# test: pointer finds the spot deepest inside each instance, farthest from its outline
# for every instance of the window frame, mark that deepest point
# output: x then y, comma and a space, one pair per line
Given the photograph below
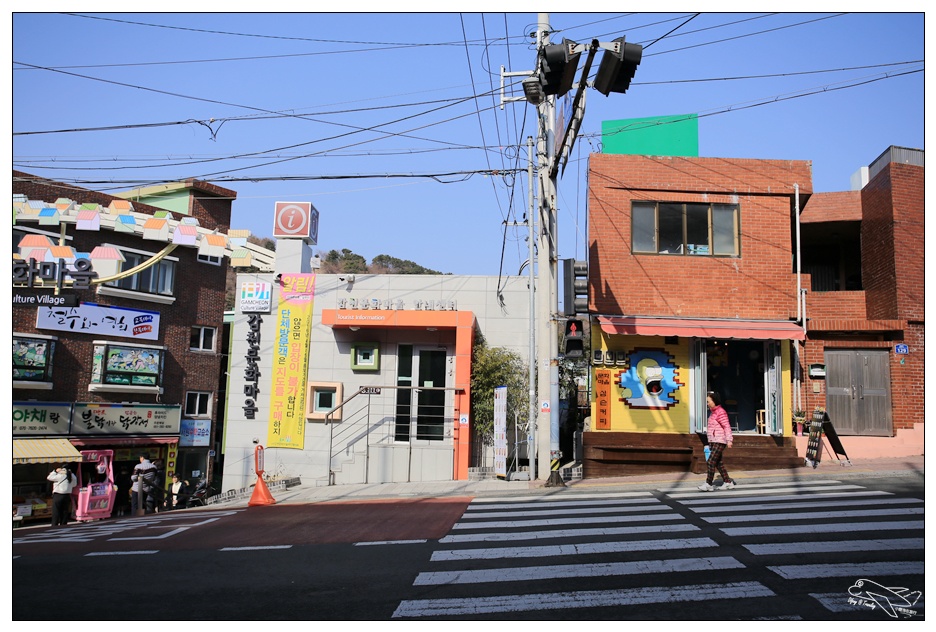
643, 235
208, 395
132, 283
100, 371
202, 329
45, 379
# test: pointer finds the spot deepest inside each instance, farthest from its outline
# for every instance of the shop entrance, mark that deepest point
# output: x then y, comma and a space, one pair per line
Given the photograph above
737, 369
421, 412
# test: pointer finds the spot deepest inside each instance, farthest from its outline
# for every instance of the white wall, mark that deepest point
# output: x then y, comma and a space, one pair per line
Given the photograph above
503, 325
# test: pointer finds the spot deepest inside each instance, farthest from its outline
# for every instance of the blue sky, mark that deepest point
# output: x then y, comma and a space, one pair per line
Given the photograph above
392, 125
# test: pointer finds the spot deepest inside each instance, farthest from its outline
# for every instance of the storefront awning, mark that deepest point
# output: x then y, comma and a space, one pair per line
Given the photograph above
44, 451
124, 441
698, 328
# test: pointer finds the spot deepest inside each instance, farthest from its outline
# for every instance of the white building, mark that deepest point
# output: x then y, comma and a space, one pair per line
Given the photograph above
407, 338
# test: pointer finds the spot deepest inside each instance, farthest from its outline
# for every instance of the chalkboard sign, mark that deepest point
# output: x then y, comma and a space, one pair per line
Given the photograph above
814, 443
818, 426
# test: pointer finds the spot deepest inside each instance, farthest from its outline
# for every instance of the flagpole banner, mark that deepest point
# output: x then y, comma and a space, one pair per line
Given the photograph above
500, 432
286, 428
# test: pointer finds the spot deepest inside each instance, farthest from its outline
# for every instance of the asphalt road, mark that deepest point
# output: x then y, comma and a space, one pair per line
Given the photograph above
776, 551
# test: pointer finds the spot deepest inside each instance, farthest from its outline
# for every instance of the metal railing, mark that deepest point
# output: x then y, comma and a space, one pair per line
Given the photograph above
358, 426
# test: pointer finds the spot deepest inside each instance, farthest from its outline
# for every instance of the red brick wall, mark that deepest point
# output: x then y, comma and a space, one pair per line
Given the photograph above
907, 200
840, 206
761, 284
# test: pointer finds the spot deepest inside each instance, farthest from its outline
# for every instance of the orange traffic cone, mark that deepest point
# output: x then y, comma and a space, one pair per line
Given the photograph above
261, 495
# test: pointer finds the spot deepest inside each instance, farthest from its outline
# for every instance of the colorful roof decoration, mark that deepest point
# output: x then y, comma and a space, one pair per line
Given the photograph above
119, 216
185, 235
125, 224
49, 217
88, 219
120, 206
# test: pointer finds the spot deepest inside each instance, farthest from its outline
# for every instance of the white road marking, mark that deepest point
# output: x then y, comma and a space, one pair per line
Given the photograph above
562, 504
572, 549
816, 515
731, 499
256, 548
797, 529
510, 513
506, 524
102, 553
579, 599
389, 542
608, 569
871, 569
839, 546
807, 505
507, 536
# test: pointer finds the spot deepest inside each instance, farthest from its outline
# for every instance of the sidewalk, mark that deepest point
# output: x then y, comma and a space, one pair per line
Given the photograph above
899, 466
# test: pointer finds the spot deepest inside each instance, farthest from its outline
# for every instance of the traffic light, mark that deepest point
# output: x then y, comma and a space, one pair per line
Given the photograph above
558, 65
574, 339
575, 287
618, 67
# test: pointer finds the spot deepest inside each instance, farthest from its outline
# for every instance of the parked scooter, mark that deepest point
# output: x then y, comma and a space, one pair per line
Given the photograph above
201, 494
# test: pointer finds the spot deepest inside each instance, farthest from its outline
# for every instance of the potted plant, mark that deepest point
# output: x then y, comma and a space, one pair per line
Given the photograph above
799, 419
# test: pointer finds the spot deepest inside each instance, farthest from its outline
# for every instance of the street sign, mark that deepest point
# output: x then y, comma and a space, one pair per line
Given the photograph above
370, 390
901, 349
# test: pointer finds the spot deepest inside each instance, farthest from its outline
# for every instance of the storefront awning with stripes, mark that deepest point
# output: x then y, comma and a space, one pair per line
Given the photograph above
701, 328
44, 451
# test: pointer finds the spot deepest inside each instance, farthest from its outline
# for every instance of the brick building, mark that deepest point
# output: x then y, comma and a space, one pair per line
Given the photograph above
131, 364
703, 276
865, 310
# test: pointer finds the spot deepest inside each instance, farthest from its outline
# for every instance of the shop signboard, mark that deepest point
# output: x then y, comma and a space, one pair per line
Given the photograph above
195, 433
94, 319
95, 418
256, 297
41, 418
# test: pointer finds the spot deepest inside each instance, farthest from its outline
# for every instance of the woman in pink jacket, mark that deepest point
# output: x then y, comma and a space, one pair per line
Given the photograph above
719, 438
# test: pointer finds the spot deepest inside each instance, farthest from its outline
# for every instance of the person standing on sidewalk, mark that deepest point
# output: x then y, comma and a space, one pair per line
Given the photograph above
63, 481
719, 438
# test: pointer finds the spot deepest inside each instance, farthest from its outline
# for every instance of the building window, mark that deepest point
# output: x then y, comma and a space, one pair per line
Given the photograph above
127, 365
202, 339
686, 229
214, 260
322, 397
197, 404
32, 358
158, 278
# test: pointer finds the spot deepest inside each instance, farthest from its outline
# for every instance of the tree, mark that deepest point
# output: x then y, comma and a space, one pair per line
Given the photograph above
493, 367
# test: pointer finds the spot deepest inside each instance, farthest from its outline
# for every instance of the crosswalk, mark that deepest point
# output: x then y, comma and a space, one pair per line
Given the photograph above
677, 550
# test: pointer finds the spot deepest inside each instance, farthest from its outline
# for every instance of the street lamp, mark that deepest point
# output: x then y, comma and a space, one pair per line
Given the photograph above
533, 90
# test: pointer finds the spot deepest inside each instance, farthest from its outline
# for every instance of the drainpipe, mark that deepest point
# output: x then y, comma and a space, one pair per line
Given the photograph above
800, 304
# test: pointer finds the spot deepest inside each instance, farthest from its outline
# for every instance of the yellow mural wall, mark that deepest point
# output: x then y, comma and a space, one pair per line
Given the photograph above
641, 385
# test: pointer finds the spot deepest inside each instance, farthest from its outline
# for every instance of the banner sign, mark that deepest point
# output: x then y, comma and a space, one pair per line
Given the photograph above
94, 319
500, 431
125, 419
195, 433
293, 332
41, 418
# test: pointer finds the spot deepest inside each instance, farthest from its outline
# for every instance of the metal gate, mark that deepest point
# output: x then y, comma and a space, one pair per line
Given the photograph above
858, 392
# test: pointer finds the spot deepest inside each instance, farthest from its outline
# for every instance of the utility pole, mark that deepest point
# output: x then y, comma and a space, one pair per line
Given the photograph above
548, 303
553, 76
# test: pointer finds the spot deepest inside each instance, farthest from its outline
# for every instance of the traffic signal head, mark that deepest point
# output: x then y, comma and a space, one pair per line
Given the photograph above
574, 346
575, 287
558, 65
618, 67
